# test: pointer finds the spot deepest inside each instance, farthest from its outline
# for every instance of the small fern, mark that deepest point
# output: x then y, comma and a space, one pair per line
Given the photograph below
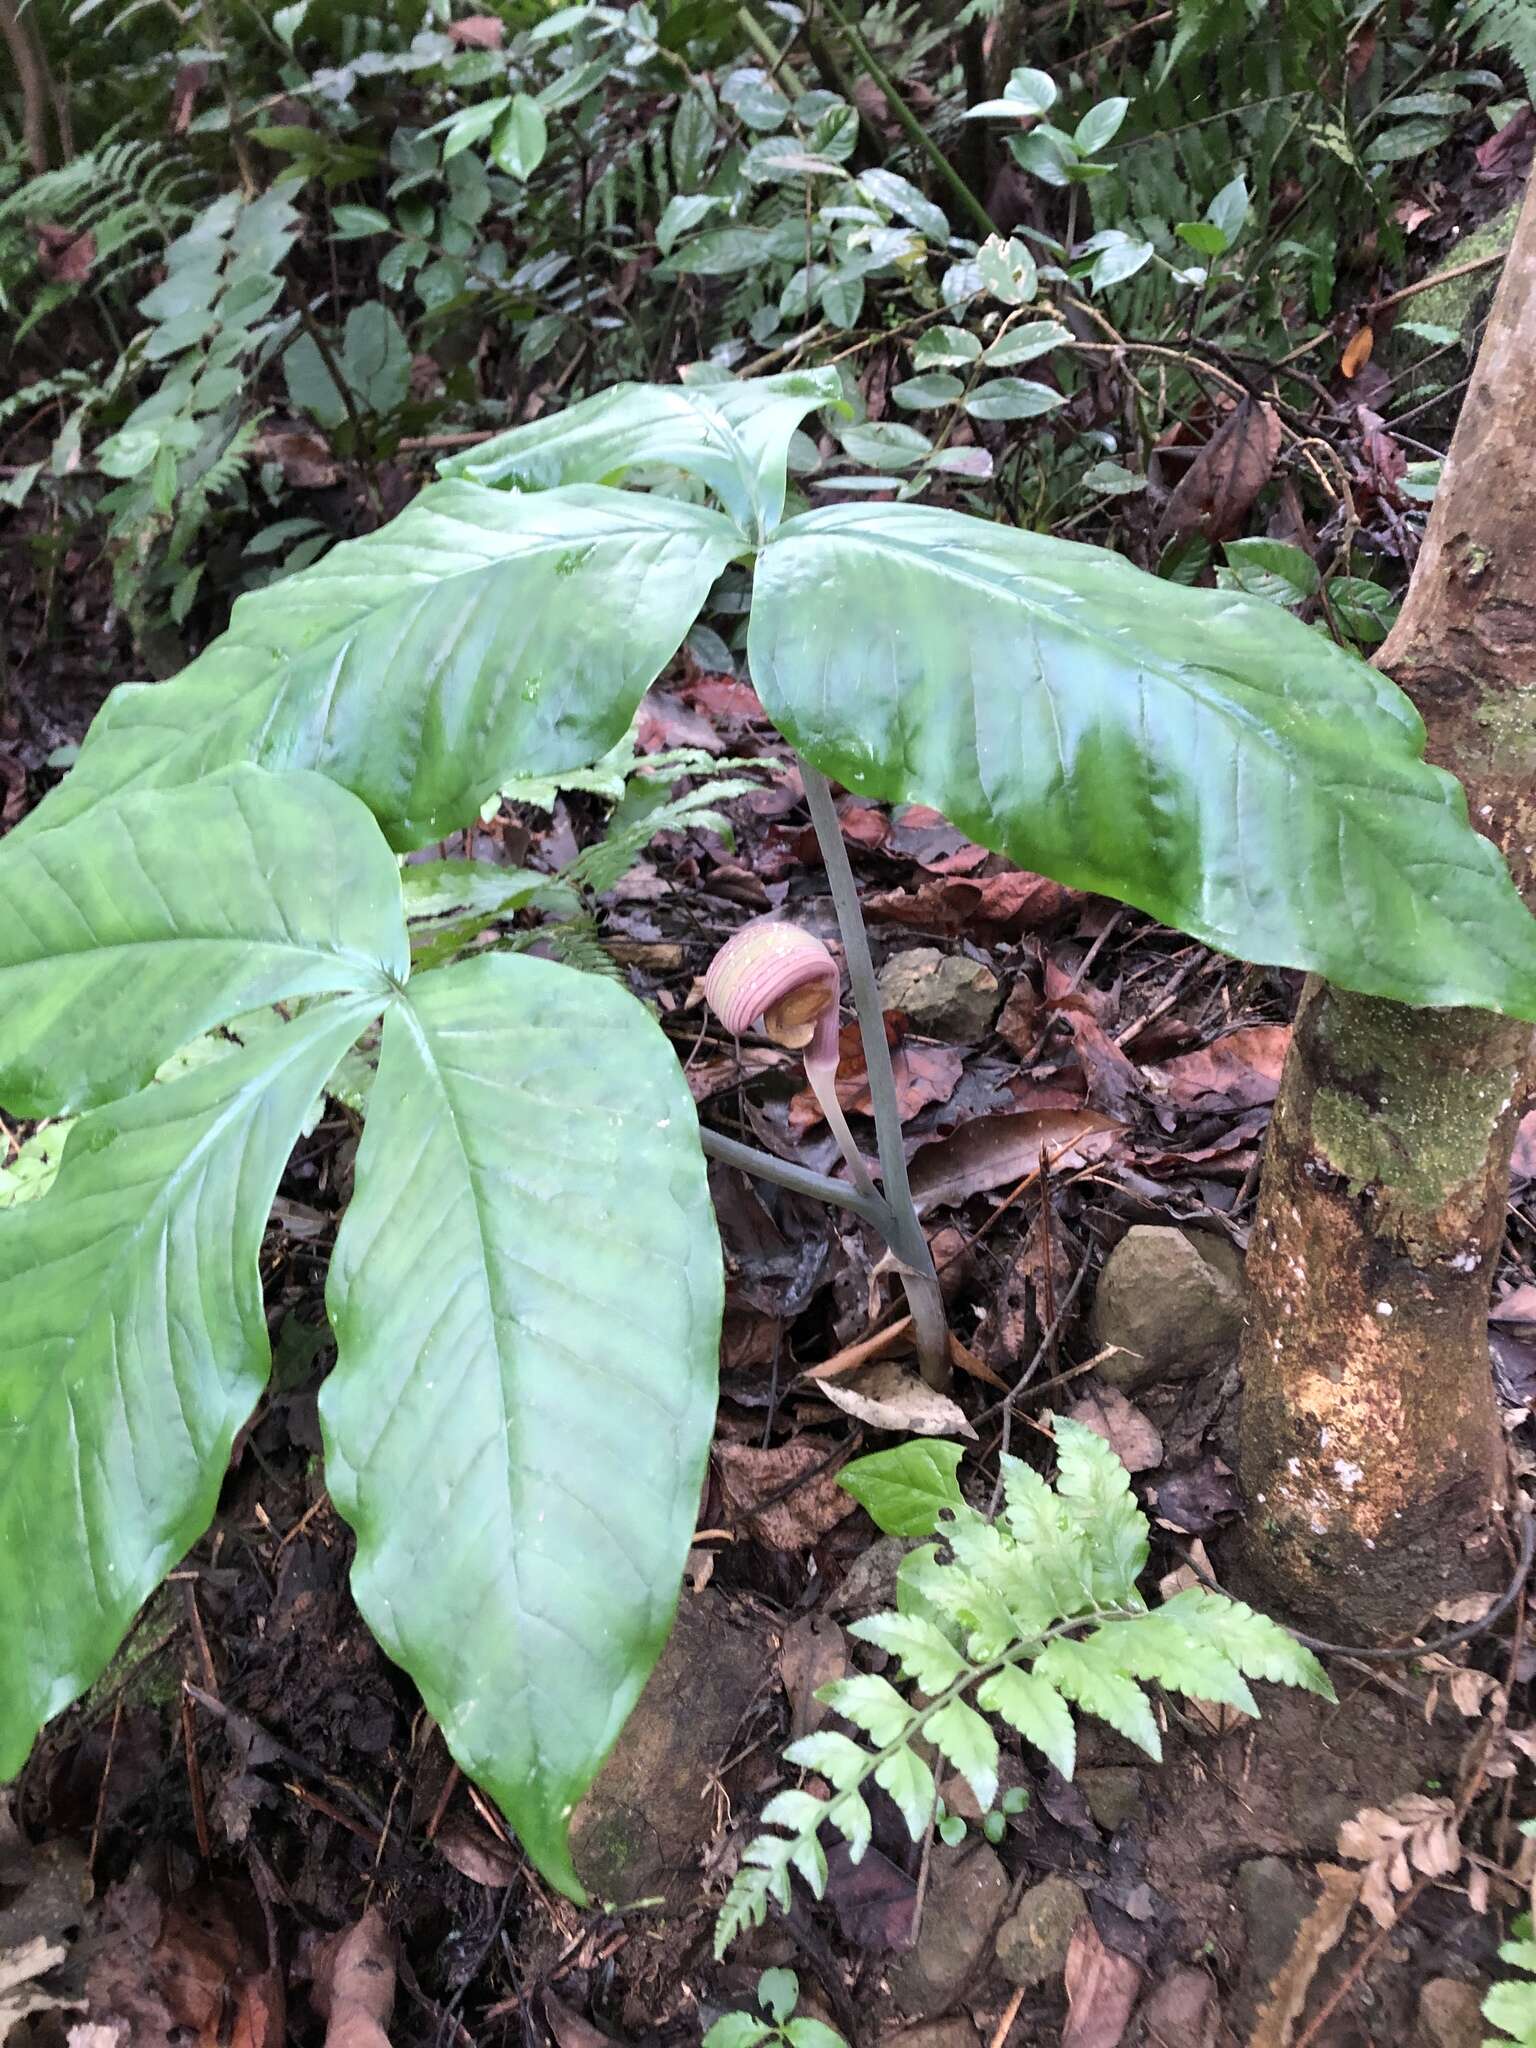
1511, 2006
1507, 26
1023, 1619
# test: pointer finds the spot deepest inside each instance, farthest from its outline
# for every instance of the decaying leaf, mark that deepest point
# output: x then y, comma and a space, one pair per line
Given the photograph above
892, 1396
1123, 1427
1214, 495
1102, 1988
994, 1151
1240, 1071
789, 1496
1318, 1933
476, 1854
356, 1991
1357, 351
1416, 1833
814, 1653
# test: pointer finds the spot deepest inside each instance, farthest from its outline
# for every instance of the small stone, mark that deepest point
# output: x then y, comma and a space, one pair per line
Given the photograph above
944, 994
1450, 2015
967, 1887
1275, 1901
1170, 1303
1032, 1945
1114, 1796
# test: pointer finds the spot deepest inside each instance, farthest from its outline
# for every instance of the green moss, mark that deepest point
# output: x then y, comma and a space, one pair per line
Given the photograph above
144, 1681
1460, 300
1410, 1100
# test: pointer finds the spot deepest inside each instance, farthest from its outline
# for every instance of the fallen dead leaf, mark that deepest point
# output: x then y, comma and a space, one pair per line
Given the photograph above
1240, 1071
478, 32
892, 1396
995, 1151
1524, 1161
1518, 1306
355, 1990
1214, 495
1115, 1083
1123, 1427
982, 907
65, 255
1415, 1833
1102, 1988
305, 460
925, 1073
814, 1653
572, 2029
1318, 1933
1357, 351
776, 1494
1197, 1498
476, 1854
1182, 2012
20, 1992
1018, 1024
873, 1898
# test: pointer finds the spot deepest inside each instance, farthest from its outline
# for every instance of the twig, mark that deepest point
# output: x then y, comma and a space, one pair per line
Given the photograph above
101, 1796
1010, 2013
1427, 284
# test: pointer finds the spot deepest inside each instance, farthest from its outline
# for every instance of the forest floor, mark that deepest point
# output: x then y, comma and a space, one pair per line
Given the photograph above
252, 1778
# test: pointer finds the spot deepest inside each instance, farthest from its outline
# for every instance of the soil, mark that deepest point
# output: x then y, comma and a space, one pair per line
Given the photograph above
253, 1781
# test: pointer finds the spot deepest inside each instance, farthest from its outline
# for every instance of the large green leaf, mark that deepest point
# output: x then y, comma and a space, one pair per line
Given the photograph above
1196, 753
135, 1346
526, 1296
733, 436
481, 634
162, 913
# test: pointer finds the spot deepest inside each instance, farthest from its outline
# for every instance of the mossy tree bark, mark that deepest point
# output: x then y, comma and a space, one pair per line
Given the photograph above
1371, 1449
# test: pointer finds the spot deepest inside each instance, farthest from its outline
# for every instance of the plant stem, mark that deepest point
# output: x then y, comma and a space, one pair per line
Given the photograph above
800, 1180
906, 1237
879, 76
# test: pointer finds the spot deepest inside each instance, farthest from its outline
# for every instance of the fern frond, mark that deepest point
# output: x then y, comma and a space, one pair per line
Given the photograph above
1507, 27
1024, 1620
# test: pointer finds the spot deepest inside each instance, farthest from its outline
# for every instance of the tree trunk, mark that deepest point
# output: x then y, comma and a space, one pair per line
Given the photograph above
1370, 1444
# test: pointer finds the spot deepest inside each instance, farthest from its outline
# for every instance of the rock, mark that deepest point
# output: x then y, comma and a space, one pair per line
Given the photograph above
967, 1889
1274, 1903
642, 1825
1170, 1302
1032, 1945
1114, 1796
1449, 2015
944, 994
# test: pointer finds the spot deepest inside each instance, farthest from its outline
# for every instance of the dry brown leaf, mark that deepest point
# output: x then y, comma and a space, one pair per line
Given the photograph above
1123, 1427
1182, 2012
1416, 1833
1102, 1989
476, 1854
980, 906
478, 32
1357, 351
1215, 493
305, 460
799, 1503
64, 255
994, 1151
355, 1991
570, 2028
20, 1992
1240, 1071
892, 1396
1318, 1933
814, 1653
